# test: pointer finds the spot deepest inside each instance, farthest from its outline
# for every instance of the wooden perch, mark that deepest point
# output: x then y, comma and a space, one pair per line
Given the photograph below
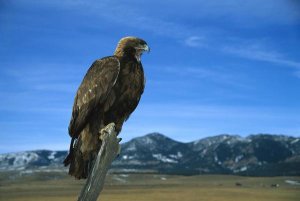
110, 148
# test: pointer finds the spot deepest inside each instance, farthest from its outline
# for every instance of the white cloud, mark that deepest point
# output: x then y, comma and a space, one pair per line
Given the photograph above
196, 111
166, 118
255, 52
195, 41
161, 17
191, 121
240, 11
216, 74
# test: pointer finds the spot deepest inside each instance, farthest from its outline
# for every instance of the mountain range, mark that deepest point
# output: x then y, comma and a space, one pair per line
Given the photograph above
255, 155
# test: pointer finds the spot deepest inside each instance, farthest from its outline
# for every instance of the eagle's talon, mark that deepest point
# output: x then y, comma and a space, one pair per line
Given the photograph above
109, 128
102, 133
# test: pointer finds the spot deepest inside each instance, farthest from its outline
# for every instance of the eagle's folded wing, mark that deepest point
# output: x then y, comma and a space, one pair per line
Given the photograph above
93, 91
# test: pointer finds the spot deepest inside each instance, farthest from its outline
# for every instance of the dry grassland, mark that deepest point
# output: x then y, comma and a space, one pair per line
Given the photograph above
143, 187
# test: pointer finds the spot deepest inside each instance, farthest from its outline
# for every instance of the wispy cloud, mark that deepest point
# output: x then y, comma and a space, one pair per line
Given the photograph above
195, 111
44, 77
216, 74
43, 93
195, 41
39, 88
248, 49
195, 121
162, 18
255, 52
268, 11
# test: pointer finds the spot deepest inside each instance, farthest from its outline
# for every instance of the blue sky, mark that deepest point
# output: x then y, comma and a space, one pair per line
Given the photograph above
215, 66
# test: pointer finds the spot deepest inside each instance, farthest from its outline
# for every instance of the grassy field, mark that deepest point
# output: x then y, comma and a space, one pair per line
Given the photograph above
146, 187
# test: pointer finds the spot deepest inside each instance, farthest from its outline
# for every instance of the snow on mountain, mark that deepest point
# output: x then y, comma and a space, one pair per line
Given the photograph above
228, 154
31, 159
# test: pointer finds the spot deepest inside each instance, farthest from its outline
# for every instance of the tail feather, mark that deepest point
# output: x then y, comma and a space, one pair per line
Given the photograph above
79, 168
69, 157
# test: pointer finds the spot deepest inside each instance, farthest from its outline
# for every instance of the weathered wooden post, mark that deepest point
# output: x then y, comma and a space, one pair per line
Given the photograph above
110, 148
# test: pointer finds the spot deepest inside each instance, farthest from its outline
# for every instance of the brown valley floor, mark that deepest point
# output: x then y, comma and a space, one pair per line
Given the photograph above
148, 187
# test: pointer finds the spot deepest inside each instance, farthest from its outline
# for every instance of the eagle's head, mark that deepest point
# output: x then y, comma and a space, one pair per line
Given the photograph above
131, 46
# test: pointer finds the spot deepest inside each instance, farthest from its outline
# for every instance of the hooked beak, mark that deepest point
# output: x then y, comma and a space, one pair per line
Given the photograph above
144, 48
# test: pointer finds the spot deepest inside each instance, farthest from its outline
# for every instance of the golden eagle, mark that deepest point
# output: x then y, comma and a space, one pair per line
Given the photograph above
109, 92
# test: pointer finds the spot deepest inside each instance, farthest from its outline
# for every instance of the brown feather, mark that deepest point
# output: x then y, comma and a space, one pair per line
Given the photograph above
109, 92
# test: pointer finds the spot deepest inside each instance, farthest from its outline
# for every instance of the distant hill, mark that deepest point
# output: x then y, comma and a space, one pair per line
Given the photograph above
255, 155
